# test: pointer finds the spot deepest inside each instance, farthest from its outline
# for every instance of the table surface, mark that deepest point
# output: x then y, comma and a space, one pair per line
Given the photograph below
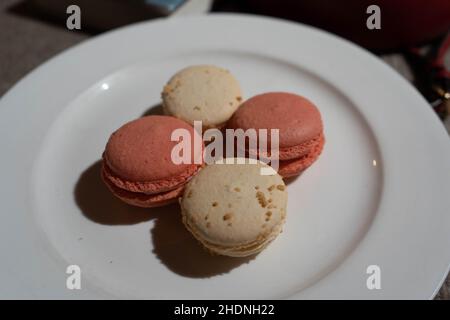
26, 41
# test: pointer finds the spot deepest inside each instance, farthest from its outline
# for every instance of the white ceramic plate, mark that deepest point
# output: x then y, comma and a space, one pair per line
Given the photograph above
378, 195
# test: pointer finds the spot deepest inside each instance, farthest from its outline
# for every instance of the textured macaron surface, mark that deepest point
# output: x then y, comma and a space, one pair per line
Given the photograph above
207, 93
297, 118
233, 205
140, 151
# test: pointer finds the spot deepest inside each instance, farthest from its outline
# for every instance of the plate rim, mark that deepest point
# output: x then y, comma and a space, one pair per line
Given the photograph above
342, 44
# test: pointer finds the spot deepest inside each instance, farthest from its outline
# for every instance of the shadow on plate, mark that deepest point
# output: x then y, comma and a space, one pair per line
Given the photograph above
173, 245
98, 204
182, 254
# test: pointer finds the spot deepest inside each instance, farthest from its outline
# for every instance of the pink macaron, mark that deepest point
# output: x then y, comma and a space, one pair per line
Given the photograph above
137, 162
301, 137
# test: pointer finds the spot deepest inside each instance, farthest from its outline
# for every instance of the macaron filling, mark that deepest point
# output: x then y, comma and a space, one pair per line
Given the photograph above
292, 167
288, 153
150, 187
142, 199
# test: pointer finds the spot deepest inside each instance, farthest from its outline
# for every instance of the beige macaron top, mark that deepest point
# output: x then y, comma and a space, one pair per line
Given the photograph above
233, 205
204, 92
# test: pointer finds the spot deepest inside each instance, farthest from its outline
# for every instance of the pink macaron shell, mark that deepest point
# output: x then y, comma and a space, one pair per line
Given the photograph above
293, 167
150, 187
297, 118
289, 153
141, 199
138, 155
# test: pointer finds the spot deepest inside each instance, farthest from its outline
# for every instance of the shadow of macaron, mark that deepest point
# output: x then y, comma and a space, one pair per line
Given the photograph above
173, 245
99, 205
178, 250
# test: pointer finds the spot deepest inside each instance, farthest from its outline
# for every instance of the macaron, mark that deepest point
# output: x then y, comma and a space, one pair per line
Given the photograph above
204, 93
233, 210
298, 120
137, 163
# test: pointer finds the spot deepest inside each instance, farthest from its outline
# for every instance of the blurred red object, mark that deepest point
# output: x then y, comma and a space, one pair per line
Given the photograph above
404, 23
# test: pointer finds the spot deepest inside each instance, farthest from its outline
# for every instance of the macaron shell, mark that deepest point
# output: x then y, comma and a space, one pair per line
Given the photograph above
241, 250
142, 199
150, 187
297, 118
206, 93
293, 167
294, 152
141, 151
233, 205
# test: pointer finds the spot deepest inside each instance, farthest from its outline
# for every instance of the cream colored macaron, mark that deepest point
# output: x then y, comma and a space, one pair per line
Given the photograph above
204, 92
233, 210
